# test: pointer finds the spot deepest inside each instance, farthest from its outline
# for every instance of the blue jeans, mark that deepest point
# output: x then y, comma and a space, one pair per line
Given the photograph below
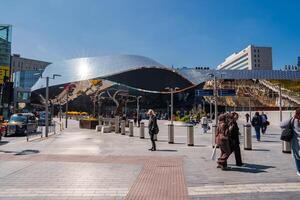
257, 132
297, 164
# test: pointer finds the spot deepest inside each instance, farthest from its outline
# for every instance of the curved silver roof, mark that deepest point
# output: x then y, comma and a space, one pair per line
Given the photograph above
79, 69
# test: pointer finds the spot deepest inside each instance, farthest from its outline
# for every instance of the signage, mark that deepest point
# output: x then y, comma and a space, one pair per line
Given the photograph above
226, 92
4, 71
201, 93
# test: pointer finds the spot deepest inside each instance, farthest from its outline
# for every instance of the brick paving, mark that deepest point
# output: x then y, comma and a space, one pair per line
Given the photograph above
84, 164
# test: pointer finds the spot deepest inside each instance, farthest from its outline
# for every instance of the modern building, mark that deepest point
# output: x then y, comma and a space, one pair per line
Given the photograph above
250, 58
25, 76
298, 61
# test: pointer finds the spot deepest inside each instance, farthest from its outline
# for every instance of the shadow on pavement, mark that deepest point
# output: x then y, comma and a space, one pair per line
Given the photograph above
270, 141
250, 168
27, 152
167, 150
3, 142
260, 150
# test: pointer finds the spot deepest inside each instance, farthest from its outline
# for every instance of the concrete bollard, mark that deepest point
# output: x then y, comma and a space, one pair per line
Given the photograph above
131, 129
286, 147
213, 135
123, 127
190, 135
247, 137
170, 133
117, 124
142, 130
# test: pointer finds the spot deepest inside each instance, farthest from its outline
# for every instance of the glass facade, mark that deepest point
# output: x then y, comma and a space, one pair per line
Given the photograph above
25, 79
5, 45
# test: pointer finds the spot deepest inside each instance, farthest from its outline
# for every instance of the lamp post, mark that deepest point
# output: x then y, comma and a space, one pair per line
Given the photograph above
171, 126
68, 89
47, 99
138, 109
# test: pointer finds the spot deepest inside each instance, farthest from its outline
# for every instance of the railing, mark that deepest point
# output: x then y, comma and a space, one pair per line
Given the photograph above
55, 128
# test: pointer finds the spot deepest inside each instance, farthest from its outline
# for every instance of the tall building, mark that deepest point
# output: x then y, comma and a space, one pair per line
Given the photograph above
298, 61
5, 72
250, 58
24, 76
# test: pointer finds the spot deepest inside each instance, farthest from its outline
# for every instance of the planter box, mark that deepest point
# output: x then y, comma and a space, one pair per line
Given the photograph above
88, 124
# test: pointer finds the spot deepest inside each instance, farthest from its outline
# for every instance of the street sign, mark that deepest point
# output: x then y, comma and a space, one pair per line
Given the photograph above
204, 92
226, 92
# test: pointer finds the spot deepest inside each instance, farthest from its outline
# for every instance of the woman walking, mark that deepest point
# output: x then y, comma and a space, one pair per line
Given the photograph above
234, 139
295, 142
153, 128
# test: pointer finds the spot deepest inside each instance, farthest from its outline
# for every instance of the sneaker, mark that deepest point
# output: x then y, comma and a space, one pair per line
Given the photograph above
298, 173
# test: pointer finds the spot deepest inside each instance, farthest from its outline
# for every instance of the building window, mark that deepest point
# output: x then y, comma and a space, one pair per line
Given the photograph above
254, 65
254, 50
258, 65
257, 55
254, 60
258, 60
257, 50
254, 56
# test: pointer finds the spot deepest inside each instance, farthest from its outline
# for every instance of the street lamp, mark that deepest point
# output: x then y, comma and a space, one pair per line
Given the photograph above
138, 109
47, 98
99, 105
172, 90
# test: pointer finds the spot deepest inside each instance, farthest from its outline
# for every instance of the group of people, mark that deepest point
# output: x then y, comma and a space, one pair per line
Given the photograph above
227, 138
260, 123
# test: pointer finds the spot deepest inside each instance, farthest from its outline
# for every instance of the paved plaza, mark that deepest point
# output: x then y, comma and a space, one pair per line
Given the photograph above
84, 164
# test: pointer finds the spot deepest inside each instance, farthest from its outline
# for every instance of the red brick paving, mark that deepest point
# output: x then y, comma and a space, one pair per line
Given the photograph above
162, 178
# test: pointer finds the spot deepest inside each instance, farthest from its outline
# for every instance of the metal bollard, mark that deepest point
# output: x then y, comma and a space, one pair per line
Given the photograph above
213, 135
171, 133
142, 130
286, 147
131, 129
123, 127
117, 124
190, 135
247, 137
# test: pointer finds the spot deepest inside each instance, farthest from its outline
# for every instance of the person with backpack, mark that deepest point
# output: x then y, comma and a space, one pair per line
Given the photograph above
153, 128
294, 124
265, 123
222, 140
257, 124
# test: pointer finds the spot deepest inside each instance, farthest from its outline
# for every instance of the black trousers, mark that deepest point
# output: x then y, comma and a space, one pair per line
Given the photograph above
237, 154
153, 141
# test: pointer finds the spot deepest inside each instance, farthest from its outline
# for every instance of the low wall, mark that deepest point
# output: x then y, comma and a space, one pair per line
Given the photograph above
273, 116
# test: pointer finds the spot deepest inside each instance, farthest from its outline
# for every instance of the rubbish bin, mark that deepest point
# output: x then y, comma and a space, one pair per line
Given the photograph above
213, 135
142, 130
117, 124
131, 129
190, 135
247, 137
286, 147
170, 133
123, 127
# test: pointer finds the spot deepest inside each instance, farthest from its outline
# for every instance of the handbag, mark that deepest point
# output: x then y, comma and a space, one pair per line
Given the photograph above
288, 132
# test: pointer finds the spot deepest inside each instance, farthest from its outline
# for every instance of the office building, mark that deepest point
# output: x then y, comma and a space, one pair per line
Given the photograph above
250, 58
24, 76
298, 61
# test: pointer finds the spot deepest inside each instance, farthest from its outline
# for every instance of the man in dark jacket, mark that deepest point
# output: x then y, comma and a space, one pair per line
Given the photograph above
257, 124
153, 128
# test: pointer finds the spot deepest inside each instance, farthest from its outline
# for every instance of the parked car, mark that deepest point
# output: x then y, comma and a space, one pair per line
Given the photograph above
21, 124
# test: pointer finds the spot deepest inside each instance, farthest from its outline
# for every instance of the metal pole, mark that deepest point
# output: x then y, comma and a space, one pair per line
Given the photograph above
216, 103
46, 107
250, 108
67, 108
210, 110
172, 106
60, 111
137, 111
280, 103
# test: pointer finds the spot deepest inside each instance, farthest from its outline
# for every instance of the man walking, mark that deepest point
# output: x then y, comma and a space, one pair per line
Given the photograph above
256, 123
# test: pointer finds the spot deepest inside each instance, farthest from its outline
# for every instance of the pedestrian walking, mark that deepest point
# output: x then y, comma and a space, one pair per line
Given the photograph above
294, 122
265, 123
222, 140
204, 124
247, 117
153, 128
257, 124
234, 140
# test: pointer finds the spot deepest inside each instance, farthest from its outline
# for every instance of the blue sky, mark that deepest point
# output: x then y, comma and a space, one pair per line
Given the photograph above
173, 32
